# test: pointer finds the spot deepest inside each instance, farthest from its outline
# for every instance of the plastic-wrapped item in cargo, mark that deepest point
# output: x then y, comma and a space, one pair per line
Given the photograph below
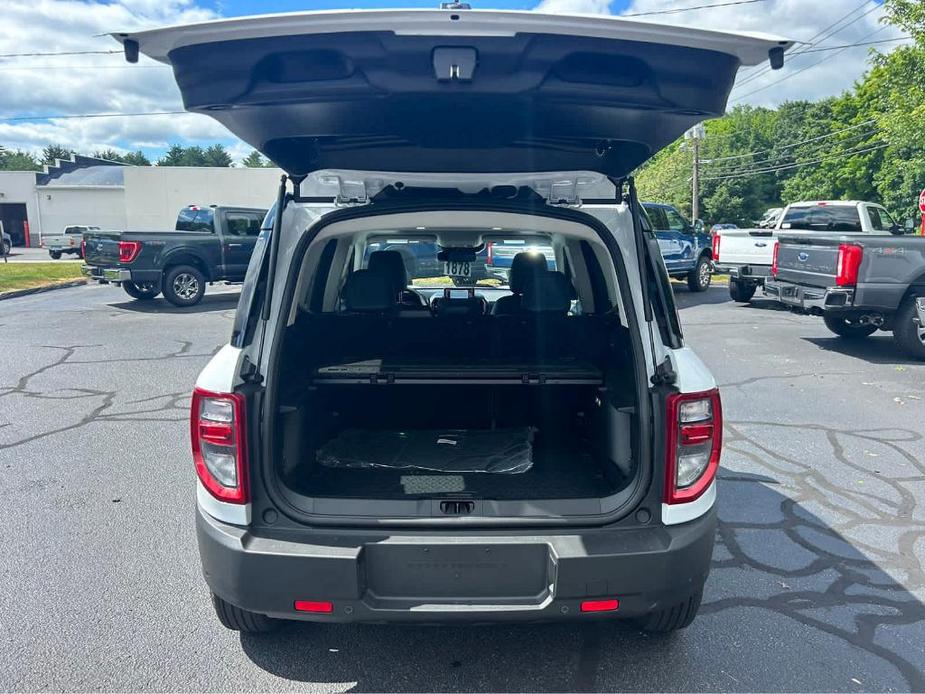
498, 451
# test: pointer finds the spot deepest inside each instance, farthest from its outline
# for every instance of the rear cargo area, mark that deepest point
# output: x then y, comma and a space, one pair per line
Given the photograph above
549, 417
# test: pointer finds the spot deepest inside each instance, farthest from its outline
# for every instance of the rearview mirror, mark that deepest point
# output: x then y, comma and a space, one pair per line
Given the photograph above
459, 255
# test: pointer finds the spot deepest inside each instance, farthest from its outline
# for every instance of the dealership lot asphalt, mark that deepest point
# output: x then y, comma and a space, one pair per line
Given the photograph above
818, 582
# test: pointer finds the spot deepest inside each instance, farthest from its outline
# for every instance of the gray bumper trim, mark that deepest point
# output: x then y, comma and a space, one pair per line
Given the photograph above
810, 299
107, 274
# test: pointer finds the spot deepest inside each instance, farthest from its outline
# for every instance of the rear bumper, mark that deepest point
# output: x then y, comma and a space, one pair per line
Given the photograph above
745, 273
117, 275
379, 577
816, 300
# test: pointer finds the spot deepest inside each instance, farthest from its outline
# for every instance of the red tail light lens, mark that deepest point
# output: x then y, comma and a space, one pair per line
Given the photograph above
716, 241
219, 452
491, 256
848, 264
695, 438
774, 259
129, 250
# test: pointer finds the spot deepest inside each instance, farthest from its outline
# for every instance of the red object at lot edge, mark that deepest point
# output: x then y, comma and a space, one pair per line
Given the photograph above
922, 210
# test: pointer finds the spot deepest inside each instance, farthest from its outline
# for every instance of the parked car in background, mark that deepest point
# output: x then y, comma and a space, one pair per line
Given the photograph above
747, 254
858, 282
209, 244
722, 226
685, 247
500, 255
67, 242
367, 455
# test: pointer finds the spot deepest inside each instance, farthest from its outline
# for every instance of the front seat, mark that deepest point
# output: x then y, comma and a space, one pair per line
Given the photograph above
392, 264
524, 268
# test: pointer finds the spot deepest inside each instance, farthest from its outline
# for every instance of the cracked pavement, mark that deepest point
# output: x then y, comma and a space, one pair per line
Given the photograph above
817, 583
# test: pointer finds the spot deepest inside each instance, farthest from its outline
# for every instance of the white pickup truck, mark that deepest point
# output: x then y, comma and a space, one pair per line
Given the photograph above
747, 254
68, 241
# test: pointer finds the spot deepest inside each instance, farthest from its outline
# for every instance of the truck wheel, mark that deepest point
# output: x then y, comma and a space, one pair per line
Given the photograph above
236, 619
184, 285
143, 291
671, 618
843, 327
907, 332
6, 248
55, 255
698, 279
741, 292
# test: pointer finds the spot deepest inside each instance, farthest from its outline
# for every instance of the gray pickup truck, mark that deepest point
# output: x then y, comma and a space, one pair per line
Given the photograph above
858, 283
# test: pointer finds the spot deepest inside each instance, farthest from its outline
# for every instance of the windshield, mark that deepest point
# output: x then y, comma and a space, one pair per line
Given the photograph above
430, 265
823, 218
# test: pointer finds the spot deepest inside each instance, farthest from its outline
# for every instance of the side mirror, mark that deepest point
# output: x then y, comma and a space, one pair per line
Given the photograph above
698, 226
910, 225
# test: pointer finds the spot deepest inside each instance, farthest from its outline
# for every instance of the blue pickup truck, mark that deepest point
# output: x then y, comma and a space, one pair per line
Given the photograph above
685, 247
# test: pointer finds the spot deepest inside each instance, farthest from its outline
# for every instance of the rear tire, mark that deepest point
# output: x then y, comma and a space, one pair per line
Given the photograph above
6, 248
698, 279
55, 255
741, 292
184, 285
671, 618
143, 292
842, 327
907, 332
236, 619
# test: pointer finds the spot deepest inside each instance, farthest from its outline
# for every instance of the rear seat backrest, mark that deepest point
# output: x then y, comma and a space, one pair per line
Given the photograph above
366, 291
549, 292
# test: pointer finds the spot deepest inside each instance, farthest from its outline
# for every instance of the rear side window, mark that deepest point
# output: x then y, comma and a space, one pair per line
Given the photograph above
675, 221
657, 216
74, 230
243, 223
823, 218
880, 219
195, 219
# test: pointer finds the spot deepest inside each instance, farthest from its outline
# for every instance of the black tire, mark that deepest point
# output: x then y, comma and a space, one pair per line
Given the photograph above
742, 292
55, 255
843, 327
6, 248
671, 618
143, 292
236, 619
184, 285
698, 279
907, 332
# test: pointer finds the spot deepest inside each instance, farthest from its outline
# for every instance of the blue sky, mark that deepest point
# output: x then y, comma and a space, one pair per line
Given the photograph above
232, 8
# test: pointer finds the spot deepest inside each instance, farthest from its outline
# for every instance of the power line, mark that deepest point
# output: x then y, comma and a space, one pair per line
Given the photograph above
93, 115
791, 145
4, 68
852, 45
797, 165
35, 55
695, 7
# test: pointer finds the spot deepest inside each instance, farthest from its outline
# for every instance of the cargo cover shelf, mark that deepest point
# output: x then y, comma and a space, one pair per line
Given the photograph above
475, 372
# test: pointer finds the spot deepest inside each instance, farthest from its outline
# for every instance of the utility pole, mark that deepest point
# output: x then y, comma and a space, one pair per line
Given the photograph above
695, 135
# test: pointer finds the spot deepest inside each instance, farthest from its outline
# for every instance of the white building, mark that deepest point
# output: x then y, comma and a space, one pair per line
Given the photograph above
113, 196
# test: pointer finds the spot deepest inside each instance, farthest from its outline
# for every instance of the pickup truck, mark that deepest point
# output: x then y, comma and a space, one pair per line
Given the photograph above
685, 247
209, 244
858, 284
68, 241
747, 254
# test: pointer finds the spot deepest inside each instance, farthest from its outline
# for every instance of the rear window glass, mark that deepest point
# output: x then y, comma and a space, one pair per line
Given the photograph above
486, 266
195, 219
243, 223
822, 218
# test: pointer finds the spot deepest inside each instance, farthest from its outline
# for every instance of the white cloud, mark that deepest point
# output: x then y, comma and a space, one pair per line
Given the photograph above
574, 6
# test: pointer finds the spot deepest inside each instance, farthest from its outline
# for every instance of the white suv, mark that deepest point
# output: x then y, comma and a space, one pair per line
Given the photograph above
451, 448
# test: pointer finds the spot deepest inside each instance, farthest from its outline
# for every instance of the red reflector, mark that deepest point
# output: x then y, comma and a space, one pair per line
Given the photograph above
600, 605
313, 606
128, 251
692, 434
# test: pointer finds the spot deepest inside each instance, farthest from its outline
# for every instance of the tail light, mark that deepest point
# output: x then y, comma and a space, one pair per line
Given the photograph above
83, 248
848, 264
695, 437
774, 259
716, 238
128, 251
70, 241
491, 255
219, 452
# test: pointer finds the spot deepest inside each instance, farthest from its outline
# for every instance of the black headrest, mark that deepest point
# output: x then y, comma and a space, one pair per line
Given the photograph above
391, 264
366, 291
548, 292
524, 267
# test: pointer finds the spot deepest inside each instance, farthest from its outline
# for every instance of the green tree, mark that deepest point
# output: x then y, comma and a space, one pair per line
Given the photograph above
217, 155
136, 158
52, 152
177, 155
18, 160
254, 160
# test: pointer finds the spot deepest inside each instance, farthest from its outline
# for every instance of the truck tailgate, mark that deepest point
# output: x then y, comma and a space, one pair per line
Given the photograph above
746, 246
809, 261
102, 248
